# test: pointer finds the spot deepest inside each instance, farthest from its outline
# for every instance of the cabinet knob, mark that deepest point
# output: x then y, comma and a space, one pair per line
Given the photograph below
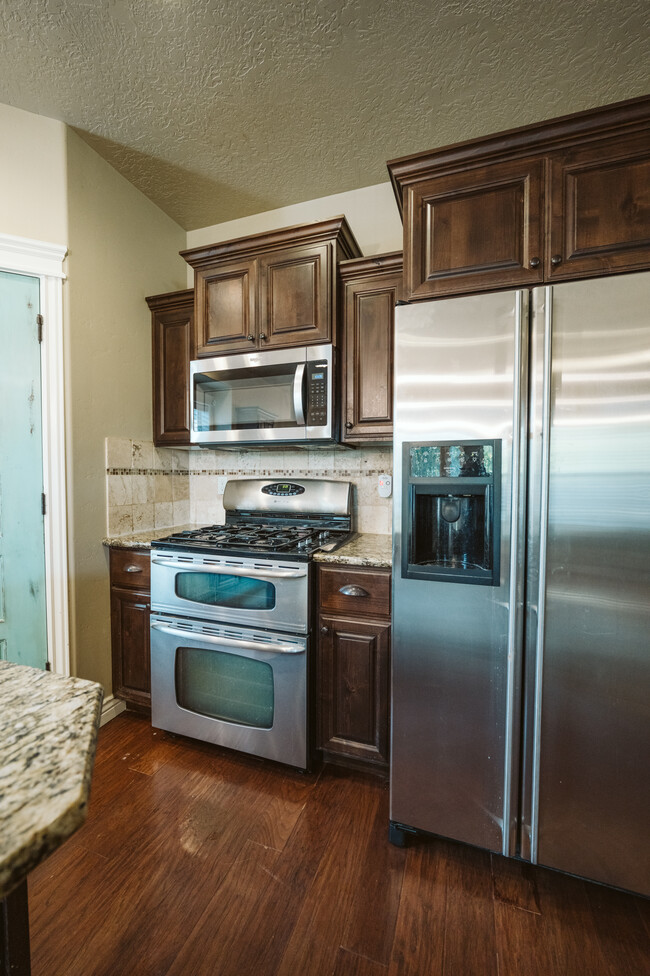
263, 336
534, 262
349, 425
251, 338
556, 259
324, 630
133, 569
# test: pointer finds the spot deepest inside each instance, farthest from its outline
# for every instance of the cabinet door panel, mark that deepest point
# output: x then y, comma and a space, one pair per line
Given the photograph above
600, 200
475, 230
369, 330
173, 344
353, 688
130, 645
226, 308
295, 295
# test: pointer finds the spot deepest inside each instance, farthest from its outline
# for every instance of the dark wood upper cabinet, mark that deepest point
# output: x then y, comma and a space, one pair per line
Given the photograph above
600, 208
226, 308
482, 226
172, 318
548, 202
272, 290
296, 296
371, 287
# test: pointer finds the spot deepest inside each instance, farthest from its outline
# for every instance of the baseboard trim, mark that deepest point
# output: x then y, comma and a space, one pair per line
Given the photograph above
111, 708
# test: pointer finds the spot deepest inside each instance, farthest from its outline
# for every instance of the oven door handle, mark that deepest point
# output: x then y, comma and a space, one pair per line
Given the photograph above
233, 570
298, 396
233, 642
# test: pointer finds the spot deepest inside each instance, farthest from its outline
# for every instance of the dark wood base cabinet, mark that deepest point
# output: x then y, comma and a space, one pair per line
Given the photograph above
353, 673
130, 610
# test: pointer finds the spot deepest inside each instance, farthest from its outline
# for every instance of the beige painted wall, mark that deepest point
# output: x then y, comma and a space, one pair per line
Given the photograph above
32, 176
371, 213
121, 248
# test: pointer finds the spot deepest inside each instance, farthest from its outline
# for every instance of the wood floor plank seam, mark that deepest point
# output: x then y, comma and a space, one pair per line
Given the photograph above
213, 864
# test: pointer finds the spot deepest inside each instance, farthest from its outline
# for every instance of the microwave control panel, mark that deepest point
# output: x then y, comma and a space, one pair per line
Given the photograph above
317, 383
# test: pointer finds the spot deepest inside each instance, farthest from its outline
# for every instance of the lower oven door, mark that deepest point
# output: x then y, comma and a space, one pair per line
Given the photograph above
241, 688
269, 593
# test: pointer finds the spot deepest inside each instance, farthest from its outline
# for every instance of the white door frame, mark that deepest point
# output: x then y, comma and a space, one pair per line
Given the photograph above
44, 261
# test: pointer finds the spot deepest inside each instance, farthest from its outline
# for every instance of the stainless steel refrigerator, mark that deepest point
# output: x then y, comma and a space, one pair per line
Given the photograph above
521, 575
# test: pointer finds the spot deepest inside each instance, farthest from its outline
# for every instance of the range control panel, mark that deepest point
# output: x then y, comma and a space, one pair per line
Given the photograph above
317, 385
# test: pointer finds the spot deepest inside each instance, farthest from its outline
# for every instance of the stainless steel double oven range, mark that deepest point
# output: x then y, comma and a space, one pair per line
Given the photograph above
230, 617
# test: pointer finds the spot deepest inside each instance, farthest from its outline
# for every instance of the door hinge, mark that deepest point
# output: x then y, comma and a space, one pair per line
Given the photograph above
48, 665
43, 504
39, 322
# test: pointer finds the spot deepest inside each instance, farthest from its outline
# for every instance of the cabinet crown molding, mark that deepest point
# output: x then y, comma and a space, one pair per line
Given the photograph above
379, 264
617, 119
324, 230
171, 299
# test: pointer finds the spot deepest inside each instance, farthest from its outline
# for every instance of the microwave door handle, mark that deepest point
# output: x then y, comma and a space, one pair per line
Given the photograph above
233, 570
232, 642
298, 396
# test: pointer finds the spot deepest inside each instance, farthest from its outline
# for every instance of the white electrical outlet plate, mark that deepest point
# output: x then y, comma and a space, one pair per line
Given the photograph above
221, 483
385, 485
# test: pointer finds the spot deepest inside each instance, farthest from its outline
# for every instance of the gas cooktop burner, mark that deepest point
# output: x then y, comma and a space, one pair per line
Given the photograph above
268, 518
261, 539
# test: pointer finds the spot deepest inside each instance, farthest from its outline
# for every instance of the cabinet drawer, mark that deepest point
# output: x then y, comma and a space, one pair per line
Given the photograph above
355, 591
130, 568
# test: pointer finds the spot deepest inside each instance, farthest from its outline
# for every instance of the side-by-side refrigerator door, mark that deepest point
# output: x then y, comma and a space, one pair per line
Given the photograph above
586, 788
459, 469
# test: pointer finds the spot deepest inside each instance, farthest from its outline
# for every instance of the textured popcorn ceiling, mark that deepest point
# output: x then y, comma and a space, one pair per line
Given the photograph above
216, 110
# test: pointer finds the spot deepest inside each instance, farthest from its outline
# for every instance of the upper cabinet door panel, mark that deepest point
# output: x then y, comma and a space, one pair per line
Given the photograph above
172, 317
226, 309
600, 208
295, 296
475, 230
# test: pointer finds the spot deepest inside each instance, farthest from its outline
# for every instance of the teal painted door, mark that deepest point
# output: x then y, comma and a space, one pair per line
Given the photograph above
23, 633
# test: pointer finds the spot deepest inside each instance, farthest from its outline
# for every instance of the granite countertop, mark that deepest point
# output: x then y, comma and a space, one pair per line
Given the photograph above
143, 540
48, 733
364, 549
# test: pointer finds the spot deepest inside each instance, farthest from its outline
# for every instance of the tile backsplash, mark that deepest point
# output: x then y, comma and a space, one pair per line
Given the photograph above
150, 488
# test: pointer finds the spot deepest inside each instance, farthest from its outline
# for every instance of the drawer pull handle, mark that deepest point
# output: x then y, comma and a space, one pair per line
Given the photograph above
133, 569
353, 591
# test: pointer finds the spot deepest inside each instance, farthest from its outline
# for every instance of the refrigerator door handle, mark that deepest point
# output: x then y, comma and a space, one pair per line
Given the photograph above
540, 528
516, 577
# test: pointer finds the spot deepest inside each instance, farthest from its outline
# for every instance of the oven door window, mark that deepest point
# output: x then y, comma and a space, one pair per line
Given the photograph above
225, 686
222, 590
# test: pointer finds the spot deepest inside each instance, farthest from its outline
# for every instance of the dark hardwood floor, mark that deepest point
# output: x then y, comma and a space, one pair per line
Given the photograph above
198, 862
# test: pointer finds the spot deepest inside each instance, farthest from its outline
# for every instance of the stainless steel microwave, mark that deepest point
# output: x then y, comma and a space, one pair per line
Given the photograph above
282, 396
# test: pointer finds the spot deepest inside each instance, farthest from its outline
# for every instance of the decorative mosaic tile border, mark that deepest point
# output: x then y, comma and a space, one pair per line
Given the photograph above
149, 488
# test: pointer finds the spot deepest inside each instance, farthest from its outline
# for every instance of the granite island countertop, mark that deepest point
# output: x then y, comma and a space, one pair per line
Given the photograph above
364, 549
48, 733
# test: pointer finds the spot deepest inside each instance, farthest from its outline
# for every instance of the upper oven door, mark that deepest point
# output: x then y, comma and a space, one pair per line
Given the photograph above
269, 396
270, 593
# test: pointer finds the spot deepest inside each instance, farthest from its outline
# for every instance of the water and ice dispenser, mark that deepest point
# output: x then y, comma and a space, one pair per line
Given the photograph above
451, 511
